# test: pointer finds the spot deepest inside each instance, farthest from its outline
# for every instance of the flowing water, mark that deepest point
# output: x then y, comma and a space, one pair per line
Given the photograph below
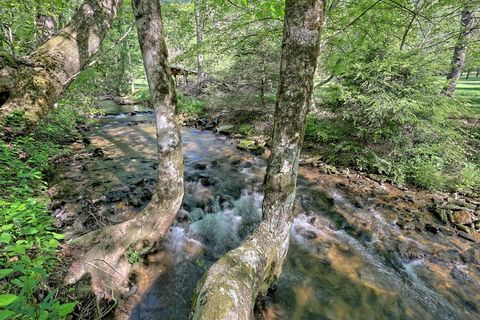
347, 260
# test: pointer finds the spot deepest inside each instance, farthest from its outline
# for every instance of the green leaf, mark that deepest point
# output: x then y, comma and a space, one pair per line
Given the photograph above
6, 272
58, 236
6, 299
64, 309
5, 238
43, 315
29, 231
8, 227
53, 243
5, 314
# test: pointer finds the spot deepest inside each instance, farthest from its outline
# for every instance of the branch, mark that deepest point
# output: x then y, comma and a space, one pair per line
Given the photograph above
325, 81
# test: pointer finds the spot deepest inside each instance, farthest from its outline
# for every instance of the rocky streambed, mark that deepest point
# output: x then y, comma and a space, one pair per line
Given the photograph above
361, 248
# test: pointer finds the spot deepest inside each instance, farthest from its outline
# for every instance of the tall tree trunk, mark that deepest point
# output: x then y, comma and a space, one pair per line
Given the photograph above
148, 227
198, 8
460, 51
262, 92
36, 82
231, 285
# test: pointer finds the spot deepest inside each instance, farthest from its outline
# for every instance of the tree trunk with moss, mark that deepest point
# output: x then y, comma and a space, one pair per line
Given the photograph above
31, 85
229, 288
107, 261
460, 51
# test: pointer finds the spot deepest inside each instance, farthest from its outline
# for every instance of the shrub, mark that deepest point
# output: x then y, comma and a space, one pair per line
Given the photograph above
385, 114
142, 95
28, 241
190, 105
246, 129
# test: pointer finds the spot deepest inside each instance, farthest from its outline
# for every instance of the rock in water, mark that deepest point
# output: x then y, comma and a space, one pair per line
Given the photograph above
226, 129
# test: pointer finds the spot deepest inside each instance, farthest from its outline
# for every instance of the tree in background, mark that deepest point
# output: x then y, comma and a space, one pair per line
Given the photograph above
198, 7
230, 287
460, 51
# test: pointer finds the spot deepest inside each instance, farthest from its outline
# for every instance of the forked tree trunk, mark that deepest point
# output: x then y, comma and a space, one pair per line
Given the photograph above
33, 85
460, 51
107, 261
229, 288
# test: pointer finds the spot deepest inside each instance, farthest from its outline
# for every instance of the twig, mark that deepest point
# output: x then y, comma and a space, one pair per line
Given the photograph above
108, 264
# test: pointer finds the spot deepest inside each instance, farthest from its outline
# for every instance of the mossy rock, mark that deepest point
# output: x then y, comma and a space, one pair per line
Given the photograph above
250, 145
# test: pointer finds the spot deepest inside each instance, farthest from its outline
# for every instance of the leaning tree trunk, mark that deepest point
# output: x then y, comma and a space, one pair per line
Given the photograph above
229, 288
460, 51
107, 261
198, 8
32, 85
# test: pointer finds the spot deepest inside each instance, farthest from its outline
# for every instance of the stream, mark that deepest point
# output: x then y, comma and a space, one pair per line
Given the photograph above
359, 249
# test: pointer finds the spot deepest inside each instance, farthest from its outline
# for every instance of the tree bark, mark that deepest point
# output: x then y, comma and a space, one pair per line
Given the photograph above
108, 258
229, 288
36, 83
199, 33
460, 51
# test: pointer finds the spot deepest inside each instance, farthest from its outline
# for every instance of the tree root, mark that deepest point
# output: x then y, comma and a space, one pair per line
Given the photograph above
229, 288
107, 261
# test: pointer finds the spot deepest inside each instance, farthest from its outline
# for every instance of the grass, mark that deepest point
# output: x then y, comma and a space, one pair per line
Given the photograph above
470, 91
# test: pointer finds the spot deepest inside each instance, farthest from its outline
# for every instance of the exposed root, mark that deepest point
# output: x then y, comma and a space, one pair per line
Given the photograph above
107, 261
229, 288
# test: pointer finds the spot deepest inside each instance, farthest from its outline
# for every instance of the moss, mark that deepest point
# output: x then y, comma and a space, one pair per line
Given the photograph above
6, 59
250, 145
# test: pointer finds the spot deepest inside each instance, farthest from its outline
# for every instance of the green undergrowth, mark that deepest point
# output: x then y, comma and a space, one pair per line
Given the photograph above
190, 105
142, 96
29, 243
185, 104
385, 115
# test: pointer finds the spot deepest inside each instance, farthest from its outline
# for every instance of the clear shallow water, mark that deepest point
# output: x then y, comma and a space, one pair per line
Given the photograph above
332, 271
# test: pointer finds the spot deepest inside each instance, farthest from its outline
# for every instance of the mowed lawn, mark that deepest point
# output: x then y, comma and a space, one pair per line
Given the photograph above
470, 90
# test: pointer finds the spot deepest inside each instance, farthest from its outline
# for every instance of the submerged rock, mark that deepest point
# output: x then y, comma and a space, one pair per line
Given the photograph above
98, 152
200, 166
463, 217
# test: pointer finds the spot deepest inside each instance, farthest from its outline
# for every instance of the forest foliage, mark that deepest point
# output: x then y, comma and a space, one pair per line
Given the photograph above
378, 106
28, 239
